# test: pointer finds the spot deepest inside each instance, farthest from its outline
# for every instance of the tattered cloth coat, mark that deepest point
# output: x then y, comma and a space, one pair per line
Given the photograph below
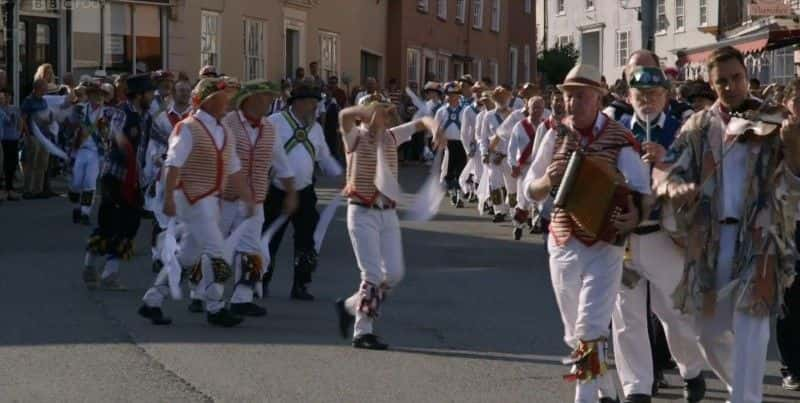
765, 252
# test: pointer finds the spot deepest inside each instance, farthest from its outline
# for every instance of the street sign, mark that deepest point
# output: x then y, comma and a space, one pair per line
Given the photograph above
764, 8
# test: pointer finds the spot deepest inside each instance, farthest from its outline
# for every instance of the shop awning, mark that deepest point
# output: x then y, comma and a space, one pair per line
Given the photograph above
777, 33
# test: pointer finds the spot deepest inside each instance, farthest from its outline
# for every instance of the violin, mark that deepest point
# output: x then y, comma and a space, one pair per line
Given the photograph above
757, 124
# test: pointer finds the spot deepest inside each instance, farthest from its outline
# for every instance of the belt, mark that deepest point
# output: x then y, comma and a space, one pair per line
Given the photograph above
647, 229
373, 206
729, 221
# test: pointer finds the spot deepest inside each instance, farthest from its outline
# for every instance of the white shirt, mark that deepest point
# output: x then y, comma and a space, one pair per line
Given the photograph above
280, 162
517, 103
489, 129
453, 132
479, 131
180, 146
629, 163
517, 143
300, 160
468, 124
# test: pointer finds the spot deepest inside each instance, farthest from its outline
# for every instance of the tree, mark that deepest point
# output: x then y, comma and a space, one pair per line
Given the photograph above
555, 63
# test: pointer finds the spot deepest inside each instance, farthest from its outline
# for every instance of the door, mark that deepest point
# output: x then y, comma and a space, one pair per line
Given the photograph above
292, 52
370, 66
37, 45
590, 49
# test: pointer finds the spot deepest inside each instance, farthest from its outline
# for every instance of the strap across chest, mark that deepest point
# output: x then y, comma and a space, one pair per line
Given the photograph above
299, 136
453, 118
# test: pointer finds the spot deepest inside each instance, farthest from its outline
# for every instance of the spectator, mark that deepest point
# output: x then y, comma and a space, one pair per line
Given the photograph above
207, 71
680, 64
394, 93
755, 88
371, 89
34, 111
9, 136
45, 72
3, 79
121, 85
700, 95
338, 93
330, 122
299, 75
313, 70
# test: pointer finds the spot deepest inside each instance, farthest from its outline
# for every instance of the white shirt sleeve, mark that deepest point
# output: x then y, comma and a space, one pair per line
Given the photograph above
180, 145
544, 156
467, 128
280, 161
514, 146
483, 135
636, 173
403, 133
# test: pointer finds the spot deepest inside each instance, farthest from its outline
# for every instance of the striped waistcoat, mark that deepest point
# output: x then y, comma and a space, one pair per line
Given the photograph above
362, 163
203, 173
256, 158
607, 145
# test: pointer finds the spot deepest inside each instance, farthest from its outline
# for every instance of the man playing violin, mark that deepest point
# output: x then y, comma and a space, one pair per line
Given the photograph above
735, 199
585, 270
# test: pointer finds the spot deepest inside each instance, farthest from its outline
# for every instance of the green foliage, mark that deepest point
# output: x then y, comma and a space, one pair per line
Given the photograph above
555, 63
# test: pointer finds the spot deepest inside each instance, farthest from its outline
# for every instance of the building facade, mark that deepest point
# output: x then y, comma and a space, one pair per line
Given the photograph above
682, 24
604, 32
272, 38
440, 40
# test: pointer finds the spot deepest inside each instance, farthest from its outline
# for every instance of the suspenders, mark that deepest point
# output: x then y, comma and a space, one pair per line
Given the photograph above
453, 117
299, 136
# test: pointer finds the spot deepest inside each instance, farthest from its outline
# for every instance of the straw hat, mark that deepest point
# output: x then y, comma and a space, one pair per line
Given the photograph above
586, 76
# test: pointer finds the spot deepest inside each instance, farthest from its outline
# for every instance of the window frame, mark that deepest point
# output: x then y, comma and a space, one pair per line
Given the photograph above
527, 7
323, 66
417, 66
589, 5
441, 9
477, 20
260, 59
526, 58
497, 9
702, 13
461, 11
680, 15
204, 16
423, 6
661, 14
513, 68
561, 7
622, 60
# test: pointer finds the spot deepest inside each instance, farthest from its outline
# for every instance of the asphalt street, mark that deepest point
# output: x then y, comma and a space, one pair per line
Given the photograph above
475, 320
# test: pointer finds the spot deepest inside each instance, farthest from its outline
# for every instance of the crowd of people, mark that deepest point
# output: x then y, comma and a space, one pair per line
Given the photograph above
681, 236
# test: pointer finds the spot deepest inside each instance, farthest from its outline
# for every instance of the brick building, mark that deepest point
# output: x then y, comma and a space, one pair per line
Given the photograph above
443, 39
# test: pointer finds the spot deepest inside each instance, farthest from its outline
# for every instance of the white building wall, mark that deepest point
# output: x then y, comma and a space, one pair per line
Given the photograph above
606, 18
669, 41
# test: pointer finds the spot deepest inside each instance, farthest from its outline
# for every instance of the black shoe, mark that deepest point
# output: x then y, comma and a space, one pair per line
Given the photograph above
85, 220
608, 400
791, 383
460, 204
301, 293
453, 199
369, 342
473, 198
248, 309
76, 216
517, 233
224, 318
638, 398
694, 390
345, 319
499, 218
155, 315
47, 194
196, 306
157, 265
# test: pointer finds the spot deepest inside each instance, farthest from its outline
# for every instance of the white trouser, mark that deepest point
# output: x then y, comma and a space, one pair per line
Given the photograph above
234, 213
734, 342
85, 171
110, 267
477, 168
658, 260
378, 246
497, 181
586, 280
522, 202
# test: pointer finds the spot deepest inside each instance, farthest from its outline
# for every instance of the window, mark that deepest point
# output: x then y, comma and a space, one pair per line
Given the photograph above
528, 6
441, 68
477, 69
496, 15
782, 66
458, 70
442, 9
560, 7
494, 71
430, 69
413, 68
703, 12
680, 15
209, 39
422, 5
661, 16
477, 14
526, 60
513, 66
590, 4
623, 47
562, 41
329, 54
461, 10
254, 49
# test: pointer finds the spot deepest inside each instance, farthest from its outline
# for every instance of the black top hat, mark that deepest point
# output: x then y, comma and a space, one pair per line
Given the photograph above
303, 91
140, 83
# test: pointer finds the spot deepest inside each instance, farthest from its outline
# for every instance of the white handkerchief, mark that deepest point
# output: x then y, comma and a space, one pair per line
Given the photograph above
325, 220
429, 198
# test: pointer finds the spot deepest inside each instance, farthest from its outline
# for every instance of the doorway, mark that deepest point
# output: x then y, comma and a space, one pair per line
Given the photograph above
590, 49
370, 66
37, 45
292, 52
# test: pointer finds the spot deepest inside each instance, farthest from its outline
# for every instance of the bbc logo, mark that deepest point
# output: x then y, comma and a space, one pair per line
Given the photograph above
52, 5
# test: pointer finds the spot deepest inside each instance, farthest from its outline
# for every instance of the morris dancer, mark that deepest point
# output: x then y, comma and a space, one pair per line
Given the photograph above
449, 121
469, 124
586, 272
371, 216
120, 205
521, 153
494, 149
261, 153
737, 200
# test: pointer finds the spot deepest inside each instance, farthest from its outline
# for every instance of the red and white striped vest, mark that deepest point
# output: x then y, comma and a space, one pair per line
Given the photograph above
362, 163
203, 173
607, 145
256, 158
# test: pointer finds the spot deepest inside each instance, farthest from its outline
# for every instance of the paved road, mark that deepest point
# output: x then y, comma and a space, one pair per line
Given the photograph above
474, 321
